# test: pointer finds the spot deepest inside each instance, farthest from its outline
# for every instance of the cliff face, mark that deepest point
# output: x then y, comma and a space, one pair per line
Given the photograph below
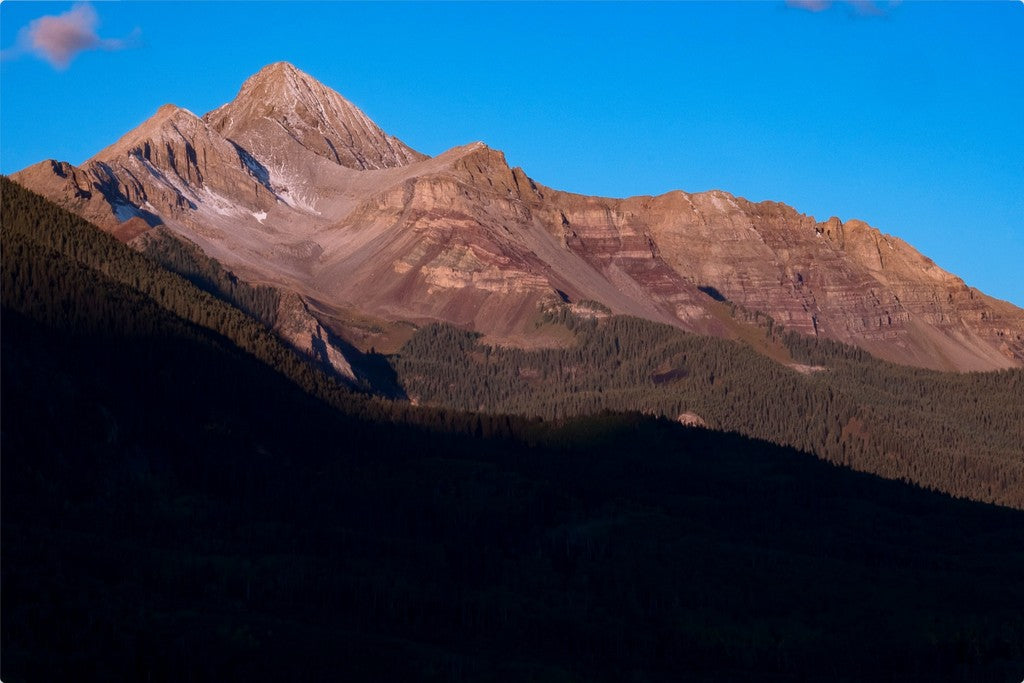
290, 184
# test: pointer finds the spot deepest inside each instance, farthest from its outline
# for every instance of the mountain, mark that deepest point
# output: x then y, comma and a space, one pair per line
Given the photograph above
186, 498
292, 186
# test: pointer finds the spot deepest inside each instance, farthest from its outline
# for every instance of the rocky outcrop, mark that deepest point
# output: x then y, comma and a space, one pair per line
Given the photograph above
689, 419
303, 332
291, 185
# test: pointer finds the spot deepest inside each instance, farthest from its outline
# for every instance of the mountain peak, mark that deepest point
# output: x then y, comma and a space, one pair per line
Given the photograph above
172, 113
169, 124
278, 75
280, 98
278, 67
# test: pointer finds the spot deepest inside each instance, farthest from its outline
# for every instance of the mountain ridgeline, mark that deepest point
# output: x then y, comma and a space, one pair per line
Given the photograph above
187, 497
291, 185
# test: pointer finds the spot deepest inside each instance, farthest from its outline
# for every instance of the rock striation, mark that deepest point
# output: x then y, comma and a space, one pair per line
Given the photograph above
291, 185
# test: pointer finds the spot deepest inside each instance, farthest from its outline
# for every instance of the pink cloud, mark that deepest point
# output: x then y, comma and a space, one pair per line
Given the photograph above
60, 38
862, 8
810, 5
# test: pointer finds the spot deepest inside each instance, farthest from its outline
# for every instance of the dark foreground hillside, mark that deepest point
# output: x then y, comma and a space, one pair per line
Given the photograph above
176, 512
176, 509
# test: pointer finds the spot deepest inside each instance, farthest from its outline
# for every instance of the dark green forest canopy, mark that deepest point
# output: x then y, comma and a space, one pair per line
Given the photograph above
957, 433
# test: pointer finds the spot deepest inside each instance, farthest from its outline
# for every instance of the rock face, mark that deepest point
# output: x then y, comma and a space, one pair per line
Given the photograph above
291, 185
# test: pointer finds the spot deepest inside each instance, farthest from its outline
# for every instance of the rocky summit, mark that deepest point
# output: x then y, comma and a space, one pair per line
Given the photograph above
291, 185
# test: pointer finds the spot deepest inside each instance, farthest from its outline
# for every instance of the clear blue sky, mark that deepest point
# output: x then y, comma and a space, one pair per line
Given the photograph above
910, 117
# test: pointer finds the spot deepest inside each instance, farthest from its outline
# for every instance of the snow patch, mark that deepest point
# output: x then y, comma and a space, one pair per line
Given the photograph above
219, 204
260, 215
296, 201
282, 182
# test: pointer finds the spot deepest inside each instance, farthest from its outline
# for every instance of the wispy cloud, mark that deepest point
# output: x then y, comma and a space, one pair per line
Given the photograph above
60, 38
810, 5
862, 8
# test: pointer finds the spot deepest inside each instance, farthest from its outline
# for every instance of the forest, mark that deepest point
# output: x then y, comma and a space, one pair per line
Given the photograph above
951, 432
184, 498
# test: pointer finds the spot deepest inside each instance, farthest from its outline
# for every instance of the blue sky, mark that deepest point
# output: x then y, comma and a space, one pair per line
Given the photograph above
906, 115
